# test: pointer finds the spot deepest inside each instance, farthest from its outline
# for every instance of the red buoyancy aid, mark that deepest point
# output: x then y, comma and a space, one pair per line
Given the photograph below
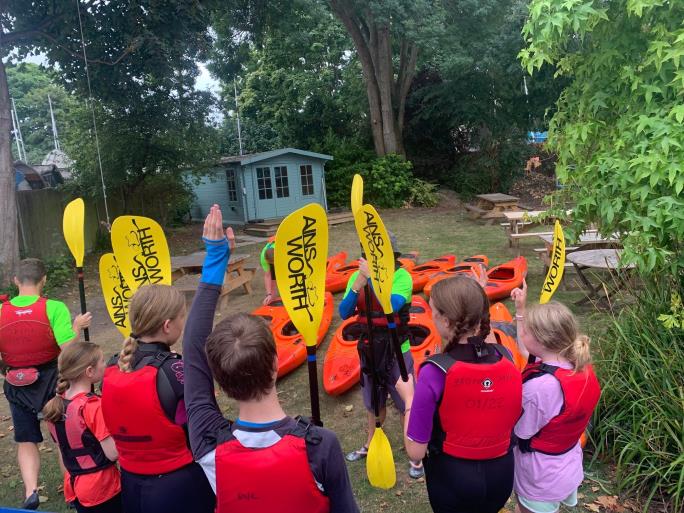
81, 451
581, 393
377, 314
275, 478
480, 405
26, 336
147, 441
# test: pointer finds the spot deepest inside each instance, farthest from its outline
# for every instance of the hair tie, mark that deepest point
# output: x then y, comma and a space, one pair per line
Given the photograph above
133, 335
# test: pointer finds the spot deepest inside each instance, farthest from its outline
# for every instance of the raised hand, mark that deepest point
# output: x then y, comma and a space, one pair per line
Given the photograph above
519, 296
213, 225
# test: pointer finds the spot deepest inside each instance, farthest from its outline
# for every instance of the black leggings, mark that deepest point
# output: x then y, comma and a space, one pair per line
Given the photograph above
182, 491
456, 485
113, 505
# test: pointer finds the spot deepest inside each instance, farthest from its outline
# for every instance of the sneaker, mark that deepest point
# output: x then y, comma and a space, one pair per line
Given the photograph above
416, 470
358, 454
32, 501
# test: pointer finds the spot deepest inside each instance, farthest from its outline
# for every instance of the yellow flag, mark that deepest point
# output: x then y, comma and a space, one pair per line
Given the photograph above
72, 226
141, 251
301, 253
379, 254
116, 293
356, 193
555, 274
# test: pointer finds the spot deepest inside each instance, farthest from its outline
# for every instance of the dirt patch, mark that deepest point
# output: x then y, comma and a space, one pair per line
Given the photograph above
532, 188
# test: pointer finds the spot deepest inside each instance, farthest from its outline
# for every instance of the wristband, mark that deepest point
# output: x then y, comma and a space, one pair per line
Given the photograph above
519, 317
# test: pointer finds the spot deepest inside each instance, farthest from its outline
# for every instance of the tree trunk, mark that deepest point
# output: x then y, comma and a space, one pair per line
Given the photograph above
9, 237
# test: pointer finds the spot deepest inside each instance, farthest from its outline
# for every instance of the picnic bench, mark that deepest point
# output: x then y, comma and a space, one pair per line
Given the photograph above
237, 273
600, 259
590, 239
493, 206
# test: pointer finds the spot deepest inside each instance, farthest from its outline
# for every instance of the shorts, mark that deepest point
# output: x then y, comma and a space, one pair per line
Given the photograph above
26, 424
395, 375
548, 506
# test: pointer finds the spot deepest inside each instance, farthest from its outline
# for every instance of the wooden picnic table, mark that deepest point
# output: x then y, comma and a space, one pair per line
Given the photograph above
601, 259
591, 239
237, 275
496, 204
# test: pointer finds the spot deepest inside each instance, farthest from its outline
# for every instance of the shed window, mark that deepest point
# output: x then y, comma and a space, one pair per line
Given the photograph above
232, 185
282, 186
306, 173
264, 182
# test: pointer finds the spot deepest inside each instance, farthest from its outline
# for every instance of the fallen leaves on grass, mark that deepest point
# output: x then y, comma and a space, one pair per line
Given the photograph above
43, 498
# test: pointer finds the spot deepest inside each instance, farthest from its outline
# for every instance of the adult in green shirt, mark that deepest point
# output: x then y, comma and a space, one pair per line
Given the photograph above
32, 330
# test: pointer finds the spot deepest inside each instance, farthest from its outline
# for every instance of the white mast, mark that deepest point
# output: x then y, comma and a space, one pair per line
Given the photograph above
55, 137
16, 129
237, 112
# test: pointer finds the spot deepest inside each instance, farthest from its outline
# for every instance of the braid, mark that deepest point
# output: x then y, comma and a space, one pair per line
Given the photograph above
130, 346
54, 409
485, 326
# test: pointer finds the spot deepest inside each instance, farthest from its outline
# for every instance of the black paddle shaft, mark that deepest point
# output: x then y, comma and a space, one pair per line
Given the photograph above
313, 385
396, 344
81, 292
371, 355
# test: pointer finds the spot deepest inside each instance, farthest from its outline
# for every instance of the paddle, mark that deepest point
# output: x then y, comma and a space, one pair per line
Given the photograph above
141, 251
116, 292
72, 226
300, 257
356, 194
557, 267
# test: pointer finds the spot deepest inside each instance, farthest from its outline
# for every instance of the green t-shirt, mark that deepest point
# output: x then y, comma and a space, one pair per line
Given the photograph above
264, 264
57, 313
402, 285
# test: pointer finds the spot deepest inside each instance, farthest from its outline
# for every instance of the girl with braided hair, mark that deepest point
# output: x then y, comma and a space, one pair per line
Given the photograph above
91, 481
467, 399
144, 407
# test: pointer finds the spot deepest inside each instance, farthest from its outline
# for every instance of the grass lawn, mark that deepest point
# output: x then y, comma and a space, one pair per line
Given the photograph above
432, 232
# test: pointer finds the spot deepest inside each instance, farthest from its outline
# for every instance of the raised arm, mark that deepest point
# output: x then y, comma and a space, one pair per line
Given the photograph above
204, 416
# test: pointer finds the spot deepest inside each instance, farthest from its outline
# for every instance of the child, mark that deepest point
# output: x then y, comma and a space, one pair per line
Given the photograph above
266, 260
354, 302
560, 392
91, 482
143, 406
32, 331
265, 460
467, 400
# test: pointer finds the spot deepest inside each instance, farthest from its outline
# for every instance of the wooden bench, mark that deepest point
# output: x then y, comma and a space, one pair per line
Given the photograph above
475, 211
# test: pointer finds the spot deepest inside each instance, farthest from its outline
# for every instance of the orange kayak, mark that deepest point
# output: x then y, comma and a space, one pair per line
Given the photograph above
424, 272
289, 344
341, 366
338, 272
503, 278
499, 312
467, 266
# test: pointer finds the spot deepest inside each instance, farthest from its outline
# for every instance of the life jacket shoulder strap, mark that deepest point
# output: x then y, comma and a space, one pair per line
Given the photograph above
505, 353
444, 361
538, 370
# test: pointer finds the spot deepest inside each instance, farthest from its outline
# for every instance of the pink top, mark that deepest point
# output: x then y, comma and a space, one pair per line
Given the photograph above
543, 477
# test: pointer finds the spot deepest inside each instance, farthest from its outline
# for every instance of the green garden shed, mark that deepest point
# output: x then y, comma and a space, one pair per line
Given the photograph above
260, 186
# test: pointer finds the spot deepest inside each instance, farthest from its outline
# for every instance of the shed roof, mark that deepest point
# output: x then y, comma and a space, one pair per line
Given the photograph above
256, 157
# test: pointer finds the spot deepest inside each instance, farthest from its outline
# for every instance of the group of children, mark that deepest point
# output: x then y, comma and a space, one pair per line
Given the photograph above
479, 427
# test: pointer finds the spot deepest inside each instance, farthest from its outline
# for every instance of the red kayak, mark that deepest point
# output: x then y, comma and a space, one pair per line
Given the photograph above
341, 367
502, 279
467, 266
289, 344
338, 272
424, 272
499, 312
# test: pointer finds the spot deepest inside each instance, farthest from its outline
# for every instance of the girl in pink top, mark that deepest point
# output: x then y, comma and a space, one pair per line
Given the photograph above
560, 391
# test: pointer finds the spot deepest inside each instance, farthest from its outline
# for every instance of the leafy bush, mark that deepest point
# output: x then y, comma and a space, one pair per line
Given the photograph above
639, 418
60, 271
422, 194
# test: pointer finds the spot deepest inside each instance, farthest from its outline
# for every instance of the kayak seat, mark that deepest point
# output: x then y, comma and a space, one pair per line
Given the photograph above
289, 330
418, 335
353, 331
503, 273
416, 309
423, 268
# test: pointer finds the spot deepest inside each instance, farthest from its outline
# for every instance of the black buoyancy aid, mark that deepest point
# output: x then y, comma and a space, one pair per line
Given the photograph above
263, 480
81, 450
481, 402
581, 393
26, 336
148, 441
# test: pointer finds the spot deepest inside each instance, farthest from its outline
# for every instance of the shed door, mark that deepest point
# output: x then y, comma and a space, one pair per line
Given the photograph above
286, 200
265, 197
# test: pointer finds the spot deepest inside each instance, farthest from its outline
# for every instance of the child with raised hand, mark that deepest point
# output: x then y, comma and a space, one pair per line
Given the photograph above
265, 460
144, 409
467, 400
91, 482
560, 393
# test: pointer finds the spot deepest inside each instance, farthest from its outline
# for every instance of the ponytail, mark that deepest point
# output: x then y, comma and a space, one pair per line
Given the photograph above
580, 355
130, 346
54, 409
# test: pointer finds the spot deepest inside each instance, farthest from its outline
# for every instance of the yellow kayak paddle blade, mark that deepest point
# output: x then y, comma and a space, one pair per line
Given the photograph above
141, 251
356, 193
301, 253
380, 461
116, 292
72, 226
555, 273
379, 253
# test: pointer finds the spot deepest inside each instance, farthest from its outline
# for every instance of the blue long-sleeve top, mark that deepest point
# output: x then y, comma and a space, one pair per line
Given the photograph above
402, 288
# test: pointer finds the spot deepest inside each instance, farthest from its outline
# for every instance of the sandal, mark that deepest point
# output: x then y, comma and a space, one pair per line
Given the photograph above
357, 455
416, 470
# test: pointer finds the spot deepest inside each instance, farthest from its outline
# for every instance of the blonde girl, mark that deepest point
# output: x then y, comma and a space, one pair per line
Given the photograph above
560, 392
91, 480
144, 408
